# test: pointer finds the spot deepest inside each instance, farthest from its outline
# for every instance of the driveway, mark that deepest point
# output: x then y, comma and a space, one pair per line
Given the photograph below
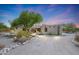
47, 45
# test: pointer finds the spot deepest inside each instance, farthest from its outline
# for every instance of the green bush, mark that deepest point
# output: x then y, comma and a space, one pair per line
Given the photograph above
22, 36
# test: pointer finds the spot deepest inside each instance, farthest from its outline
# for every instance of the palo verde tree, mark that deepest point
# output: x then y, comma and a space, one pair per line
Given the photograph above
15, 22
27, 19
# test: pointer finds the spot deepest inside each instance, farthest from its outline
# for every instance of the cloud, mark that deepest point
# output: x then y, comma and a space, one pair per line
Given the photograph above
59, 21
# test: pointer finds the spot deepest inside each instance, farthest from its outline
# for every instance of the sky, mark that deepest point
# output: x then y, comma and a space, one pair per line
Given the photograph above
52, 13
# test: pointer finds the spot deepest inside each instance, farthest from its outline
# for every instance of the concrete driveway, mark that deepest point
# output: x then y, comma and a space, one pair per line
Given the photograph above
47, 45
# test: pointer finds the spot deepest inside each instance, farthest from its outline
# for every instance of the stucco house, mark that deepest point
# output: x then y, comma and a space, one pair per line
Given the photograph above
48, 29
42, 28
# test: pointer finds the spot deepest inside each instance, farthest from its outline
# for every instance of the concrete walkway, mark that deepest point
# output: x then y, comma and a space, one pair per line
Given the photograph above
46, 45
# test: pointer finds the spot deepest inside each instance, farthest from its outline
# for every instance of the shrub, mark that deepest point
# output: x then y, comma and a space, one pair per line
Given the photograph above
22, 36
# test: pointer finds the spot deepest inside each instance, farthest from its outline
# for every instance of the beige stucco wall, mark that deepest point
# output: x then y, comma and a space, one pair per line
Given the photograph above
51, 29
